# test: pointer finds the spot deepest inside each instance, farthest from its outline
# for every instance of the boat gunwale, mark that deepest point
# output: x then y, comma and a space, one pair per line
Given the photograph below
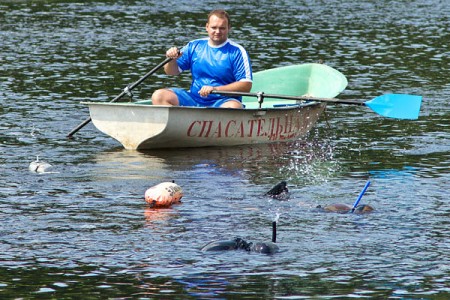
283, 106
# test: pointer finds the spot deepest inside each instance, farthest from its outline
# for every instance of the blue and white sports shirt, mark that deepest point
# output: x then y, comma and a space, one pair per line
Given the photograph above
214, 66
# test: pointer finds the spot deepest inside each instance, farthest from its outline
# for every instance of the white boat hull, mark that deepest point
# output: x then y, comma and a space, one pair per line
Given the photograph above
141, 126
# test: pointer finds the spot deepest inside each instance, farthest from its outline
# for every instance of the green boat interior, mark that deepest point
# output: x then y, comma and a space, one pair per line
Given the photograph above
315, 80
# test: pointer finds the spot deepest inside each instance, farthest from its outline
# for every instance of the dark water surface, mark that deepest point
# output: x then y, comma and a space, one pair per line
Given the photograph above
84, 231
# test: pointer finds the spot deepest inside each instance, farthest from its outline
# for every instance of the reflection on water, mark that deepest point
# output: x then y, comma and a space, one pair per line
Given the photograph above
257, 163
86, 230
161, 215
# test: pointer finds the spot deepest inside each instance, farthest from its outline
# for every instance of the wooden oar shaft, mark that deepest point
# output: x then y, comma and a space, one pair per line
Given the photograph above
286, 97
150, 73
81, 125
123, 93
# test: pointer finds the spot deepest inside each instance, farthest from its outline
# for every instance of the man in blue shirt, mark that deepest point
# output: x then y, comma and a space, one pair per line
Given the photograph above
216, 64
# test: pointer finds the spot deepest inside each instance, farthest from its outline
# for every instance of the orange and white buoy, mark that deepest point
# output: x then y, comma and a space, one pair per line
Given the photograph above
164, 194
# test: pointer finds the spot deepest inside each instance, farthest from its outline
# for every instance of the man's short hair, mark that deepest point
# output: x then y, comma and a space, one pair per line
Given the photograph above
220, 13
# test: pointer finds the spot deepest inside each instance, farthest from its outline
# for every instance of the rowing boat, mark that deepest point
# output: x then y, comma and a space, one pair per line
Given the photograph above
141, 125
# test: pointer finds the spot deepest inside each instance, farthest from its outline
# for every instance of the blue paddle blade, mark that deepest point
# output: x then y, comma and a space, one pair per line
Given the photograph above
398, 106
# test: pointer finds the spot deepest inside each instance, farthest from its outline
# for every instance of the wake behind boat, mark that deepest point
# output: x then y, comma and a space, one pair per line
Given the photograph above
141, 125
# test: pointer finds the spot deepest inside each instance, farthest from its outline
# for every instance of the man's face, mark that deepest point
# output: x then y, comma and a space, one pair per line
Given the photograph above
217, 29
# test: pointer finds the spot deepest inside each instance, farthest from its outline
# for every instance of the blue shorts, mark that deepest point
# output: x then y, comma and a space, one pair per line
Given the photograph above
185, 98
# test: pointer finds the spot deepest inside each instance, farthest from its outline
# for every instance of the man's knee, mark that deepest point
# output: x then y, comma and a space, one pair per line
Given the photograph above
158, 97
164, 97
232, 104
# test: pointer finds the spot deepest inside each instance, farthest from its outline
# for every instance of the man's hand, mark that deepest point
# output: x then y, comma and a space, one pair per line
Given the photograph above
173, 53
206, 90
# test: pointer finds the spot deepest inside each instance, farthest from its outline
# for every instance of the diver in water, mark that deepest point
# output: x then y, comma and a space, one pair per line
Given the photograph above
240, 244
357, 208
343, 209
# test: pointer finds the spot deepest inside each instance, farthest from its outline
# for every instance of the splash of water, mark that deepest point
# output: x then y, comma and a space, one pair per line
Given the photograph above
276, 217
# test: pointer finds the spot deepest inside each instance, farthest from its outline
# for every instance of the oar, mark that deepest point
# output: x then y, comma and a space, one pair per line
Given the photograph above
360, 196
398, 106
126, 91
